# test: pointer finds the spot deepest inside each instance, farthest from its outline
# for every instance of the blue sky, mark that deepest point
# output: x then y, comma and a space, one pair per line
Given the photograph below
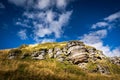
95, 22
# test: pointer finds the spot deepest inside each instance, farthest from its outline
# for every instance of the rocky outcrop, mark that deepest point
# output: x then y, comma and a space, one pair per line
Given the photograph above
39, 55
75, 52
13, 53
115, 60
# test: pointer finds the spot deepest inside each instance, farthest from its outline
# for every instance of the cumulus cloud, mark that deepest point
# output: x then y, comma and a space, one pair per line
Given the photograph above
43, 19
22, 3
95, 38
2, 6
22, 34
41, 4
51, 26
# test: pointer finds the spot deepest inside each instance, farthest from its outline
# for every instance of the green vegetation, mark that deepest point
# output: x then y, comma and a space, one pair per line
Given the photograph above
49, 69
46, 70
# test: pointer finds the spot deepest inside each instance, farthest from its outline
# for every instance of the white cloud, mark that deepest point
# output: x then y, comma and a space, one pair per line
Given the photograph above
43, 4
100, 24
44, 21
113, 17
18, 2
61, 3
2, 6
116, 52
52, 26
95, 39
108, 22
47, 40
23, 3
23, 24
22, 34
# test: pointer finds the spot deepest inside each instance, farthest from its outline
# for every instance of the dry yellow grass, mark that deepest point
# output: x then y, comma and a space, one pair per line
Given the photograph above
49, 69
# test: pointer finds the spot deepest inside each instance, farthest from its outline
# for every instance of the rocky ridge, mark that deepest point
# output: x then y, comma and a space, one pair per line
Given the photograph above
75, 52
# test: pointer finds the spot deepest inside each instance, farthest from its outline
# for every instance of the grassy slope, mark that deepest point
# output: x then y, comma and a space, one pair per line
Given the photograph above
50, 69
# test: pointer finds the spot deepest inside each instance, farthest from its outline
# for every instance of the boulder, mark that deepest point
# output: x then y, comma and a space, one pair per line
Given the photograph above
115, 60
103, 70
50, 53
40, 57
13, 53
74, 43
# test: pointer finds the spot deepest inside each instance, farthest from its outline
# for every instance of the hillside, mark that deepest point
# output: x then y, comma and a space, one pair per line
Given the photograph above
72, 60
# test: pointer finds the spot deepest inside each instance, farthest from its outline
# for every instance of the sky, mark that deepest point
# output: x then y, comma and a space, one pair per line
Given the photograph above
95, 22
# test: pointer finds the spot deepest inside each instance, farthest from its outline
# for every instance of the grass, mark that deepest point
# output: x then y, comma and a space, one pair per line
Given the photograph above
49, 69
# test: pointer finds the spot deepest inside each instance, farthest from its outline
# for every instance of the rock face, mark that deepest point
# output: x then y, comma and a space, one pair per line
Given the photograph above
39, 55
115, 60
75, 52
13, 53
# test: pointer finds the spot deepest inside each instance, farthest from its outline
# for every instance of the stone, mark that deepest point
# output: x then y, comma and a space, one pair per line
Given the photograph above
58, 53
11, 57
50, 53
103, 70
40, 57
74, 43
83, 66
35, 54
61, 59
56, 49
115, 60
13, 53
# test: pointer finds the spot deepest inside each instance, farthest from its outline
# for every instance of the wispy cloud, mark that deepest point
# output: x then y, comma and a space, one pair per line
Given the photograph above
95, 38
41, 4
108, 22
22, 34
2, 6
100, 24
47, 40
113, 17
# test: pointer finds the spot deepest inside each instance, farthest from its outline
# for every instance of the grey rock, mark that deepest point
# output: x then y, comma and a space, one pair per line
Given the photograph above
40, 57
115, 60
103, 70
74, 43
60, 59
50, 53
11, 57
83, 66
56, 49
58, 53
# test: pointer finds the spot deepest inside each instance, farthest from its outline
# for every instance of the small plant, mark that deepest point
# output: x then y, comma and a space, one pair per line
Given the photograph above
23, 46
